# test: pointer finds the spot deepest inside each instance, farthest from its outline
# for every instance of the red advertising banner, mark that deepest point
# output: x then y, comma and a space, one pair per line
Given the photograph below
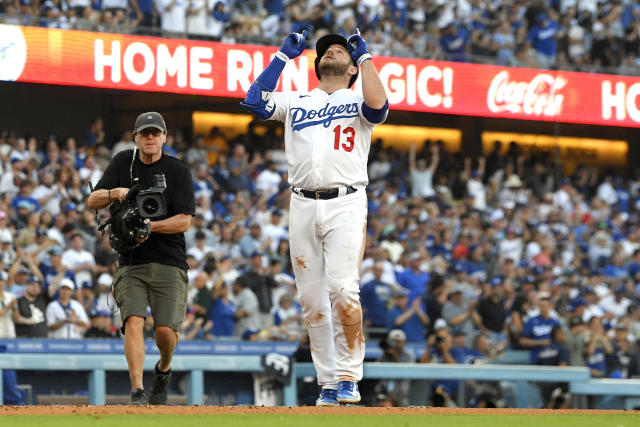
31, 54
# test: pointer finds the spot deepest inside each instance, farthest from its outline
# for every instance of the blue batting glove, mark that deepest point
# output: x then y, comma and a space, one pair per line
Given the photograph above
358, 48
294, 44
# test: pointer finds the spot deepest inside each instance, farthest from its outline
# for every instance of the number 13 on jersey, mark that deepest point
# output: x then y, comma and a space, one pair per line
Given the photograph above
350, 136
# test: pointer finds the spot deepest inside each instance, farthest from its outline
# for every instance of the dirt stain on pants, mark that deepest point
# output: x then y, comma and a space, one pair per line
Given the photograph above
351, 319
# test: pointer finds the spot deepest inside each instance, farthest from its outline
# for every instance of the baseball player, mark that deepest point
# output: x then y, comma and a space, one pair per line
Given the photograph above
327, 139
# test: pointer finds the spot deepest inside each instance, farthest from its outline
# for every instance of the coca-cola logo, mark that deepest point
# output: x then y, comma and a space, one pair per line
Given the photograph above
540, 96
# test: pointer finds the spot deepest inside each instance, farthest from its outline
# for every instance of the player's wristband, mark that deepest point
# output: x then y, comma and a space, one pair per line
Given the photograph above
363, 58
282, 56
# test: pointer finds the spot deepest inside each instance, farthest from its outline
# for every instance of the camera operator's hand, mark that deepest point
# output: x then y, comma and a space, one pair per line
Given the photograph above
147, 231
119, 193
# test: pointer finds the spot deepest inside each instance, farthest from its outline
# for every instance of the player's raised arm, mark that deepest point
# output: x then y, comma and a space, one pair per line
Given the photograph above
257, 99
375, 97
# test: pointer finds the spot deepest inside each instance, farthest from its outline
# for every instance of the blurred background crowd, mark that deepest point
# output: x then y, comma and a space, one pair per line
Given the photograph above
591, 35
470, 257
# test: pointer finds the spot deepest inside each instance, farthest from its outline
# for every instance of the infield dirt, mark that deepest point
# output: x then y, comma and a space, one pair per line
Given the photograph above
297, 410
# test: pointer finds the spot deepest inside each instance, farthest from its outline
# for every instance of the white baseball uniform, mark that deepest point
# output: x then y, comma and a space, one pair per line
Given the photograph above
327, 142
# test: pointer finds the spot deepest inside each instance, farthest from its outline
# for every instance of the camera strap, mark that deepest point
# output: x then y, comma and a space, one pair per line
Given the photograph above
133, 160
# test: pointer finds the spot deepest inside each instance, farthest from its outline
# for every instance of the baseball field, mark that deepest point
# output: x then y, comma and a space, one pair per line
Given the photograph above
250, 416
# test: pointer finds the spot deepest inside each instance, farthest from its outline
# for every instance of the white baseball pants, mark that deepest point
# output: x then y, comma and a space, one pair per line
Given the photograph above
327, 239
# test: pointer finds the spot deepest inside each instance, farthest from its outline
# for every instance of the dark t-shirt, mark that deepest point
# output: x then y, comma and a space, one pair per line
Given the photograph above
36, 309
492, 313
168, 249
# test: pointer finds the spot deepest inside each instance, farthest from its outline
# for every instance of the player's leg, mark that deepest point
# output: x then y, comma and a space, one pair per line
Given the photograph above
344, 232
308, 266
131, 297
168, 300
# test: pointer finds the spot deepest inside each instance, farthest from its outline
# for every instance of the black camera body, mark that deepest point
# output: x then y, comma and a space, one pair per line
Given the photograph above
130, 221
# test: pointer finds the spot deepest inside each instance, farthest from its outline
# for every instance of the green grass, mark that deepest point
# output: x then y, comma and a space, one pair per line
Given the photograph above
278, 420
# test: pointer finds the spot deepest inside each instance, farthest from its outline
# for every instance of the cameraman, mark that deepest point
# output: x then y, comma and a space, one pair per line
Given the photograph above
155, 272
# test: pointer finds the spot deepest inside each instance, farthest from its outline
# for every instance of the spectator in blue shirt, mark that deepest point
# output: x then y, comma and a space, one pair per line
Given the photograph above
536, 333
53, 272
597, 348
455, 41
410, 318
374, 298
144, 12
615, 271
554, 354
222, 312
542, 37
25, 198
634, 267
412, 278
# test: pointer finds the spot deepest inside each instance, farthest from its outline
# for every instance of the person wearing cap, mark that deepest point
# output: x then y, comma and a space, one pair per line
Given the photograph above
413, 278
393, 351
374, 297
411, 318
53, 271
536, 332
328, 207
29, 316
66, 318
24, 199
460, 312
20, 272
100, 326
288, 315
155, 270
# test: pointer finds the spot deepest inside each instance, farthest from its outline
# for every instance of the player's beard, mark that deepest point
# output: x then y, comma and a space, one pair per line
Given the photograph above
332, 69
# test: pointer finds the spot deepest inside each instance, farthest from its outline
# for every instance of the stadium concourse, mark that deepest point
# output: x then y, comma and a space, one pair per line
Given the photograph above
569, 35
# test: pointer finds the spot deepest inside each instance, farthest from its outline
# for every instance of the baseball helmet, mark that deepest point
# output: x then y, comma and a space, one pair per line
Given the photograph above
323, 44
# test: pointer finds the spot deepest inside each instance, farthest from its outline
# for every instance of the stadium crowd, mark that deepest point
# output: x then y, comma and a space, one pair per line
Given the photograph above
562, 34
470, 256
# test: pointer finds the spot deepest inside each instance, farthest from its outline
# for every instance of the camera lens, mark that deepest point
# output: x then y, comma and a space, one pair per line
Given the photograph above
150, 206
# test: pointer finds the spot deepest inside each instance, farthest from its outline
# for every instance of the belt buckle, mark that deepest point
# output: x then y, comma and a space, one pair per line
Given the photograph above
317, 194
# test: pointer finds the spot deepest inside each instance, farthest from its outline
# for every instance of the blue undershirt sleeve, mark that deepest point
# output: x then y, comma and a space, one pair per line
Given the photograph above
373, 115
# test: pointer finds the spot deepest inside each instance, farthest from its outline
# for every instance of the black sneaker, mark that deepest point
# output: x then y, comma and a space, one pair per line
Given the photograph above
160, 387
139, 397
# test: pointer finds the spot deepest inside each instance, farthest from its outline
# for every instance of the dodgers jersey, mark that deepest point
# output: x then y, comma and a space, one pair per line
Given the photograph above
326, 137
